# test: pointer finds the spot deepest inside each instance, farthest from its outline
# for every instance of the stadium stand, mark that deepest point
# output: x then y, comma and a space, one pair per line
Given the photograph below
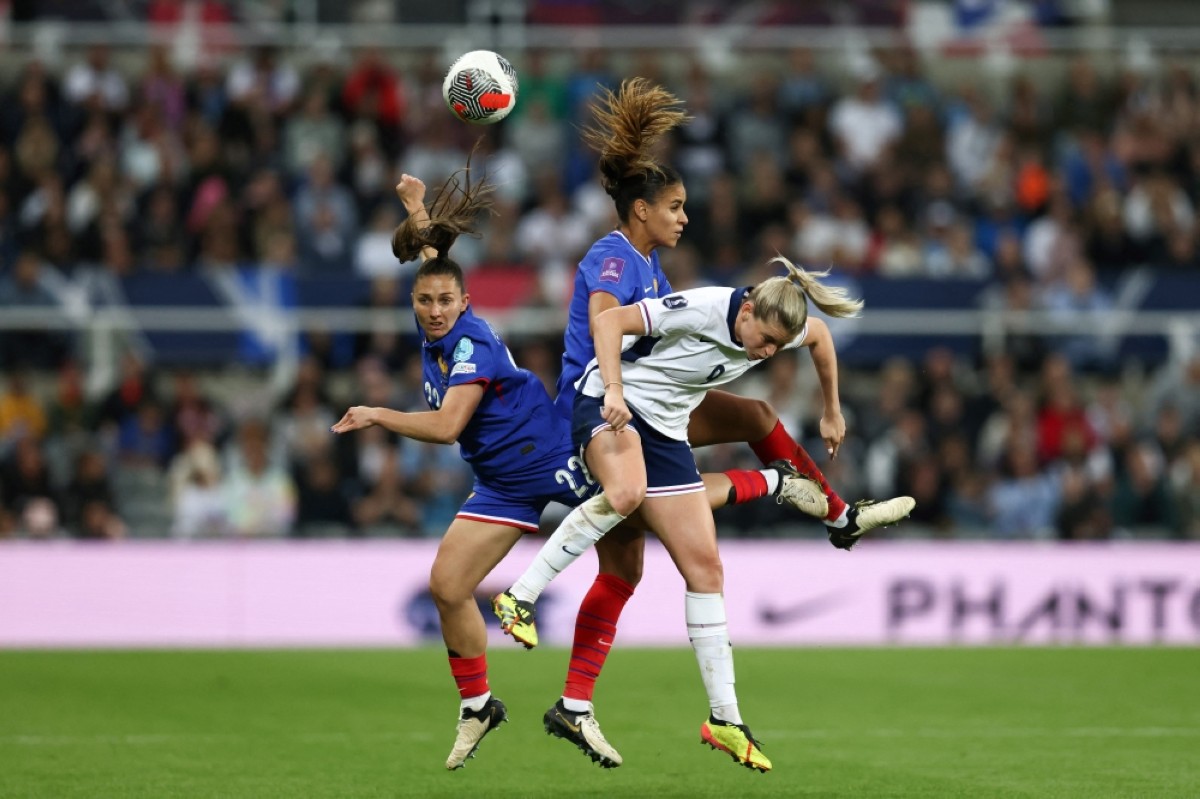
1016, 229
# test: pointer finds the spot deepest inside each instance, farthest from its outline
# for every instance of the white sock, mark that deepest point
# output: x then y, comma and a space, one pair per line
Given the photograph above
842, 520
709, 634
474, 702
577, 705
582, 528
773, 479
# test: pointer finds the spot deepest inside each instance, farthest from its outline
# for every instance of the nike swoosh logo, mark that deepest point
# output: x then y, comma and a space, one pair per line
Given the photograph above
602, 642
565, 720
799, 612
572, 554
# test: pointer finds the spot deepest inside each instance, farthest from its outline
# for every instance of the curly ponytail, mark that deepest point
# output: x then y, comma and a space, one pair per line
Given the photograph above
627, 125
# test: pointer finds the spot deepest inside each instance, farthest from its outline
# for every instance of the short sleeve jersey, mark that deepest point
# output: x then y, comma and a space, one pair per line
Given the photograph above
689, 347
613, 266
515, 431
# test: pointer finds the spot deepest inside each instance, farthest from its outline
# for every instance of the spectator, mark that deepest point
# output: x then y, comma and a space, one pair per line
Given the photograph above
1142, 495
21, 413
326, 219
29, 494
89, 505
26, 288
372, 92
198, 504
260, 495
864, 124
1079, 304
96, 84
324, 508
312, 132
1024, 501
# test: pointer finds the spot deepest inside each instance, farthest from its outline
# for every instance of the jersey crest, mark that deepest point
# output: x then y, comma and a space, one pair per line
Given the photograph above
463, 350
442, 367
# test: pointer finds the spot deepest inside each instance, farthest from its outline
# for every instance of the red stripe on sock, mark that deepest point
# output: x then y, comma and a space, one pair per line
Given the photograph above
595, 628
747, 485
778, 444
470, 674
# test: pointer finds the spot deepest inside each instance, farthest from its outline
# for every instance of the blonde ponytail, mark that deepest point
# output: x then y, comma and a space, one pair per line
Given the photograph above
783, 300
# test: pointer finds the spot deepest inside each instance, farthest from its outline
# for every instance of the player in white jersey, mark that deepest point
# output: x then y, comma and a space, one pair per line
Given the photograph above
694, 349
655, 361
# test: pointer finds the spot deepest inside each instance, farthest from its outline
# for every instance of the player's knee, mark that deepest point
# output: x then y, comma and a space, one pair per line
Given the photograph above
760, 418
447, 591
625, 497
704, 574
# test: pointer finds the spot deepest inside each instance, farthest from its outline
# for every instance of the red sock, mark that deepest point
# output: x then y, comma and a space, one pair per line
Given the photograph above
778, 444
470, 674
747, 485
595, 627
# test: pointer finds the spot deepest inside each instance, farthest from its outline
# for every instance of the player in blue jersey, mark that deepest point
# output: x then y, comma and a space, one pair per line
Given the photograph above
505, 424
518, 446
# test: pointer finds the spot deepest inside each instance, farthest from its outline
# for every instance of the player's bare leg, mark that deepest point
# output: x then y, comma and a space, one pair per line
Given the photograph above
468, 552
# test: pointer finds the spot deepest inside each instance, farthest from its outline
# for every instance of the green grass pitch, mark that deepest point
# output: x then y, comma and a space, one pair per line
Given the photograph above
972, 723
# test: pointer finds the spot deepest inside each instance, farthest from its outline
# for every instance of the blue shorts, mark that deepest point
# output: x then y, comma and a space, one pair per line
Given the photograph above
522, 507
670, 464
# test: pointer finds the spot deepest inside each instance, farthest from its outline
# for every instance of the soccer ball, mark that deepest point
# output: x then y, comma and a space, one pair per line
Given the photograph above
481, 87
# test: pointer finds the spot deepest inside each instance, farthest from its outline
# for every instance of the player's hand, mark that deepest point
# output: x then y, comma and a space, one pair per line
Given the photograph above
833, 432
411, 191
614, 411
356, 418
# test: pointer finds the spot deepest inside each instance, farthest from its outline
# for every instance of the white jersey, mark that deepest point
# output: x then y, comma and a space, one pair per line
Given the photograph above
688, 348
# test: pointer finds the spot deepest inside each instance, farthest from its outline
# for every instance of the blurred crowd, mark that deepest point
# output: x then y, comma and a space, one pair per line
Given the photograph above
258, 164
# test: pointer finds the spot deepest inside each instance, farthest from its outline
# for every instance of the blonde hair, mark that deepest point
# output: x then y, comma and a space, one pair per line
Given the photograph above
783, 300
627, 125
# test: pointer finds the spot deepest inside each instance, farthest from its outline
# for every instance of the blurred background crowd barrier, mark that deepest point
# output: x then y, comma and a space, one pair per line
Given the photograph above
196, 276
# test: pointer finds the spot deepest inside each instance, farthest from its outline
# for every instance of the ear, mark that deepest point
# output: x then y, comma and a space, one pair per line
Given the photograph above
466, 300
641, 209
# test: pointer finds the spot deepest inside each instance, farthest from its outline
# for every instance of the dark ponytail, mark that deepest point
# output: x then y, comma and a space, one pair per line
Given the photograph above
454, 211
627, 126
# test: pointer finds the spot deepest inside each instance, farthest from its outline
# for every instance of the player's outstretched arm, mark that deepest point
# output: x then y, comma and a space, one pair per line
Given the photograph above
442, 426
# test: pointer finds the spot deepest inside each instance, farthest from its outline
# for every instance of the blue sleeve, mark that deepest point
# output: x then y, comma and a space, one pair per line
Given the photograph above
605, 270
473, 360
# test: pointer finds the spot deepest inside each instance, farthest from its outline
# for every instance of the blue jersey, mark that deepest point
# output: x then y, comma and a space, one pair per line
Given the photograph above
612, 265
515, 432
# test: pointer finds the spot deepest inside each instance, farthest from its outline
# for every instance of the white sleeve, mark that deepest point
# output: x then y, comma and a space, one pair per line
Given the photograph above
676, 313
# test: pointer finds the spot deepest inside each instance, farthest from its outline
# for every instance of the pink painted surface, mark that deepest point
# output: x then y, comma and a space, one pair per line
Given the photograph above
791, 593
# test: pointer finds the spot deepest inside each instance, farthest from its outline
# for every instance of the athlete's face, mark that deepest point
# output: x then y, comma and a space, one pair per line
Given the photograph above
438, 302
760, 339
664, 218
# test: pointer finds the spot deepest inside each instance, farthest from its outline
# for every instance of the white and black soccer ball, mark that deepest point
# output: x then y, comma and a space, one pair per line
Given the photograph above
481, 87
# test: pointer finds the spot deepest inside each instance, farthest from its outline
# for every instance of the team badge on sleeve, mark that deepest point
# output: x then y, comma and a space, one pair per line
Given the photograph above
676, 301
611, 270
463, 350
